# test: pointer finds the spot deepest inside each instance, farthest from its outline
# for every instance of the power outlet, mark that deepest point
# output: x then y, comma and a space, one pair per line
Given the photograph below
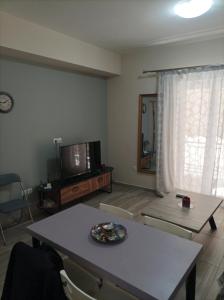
57, 140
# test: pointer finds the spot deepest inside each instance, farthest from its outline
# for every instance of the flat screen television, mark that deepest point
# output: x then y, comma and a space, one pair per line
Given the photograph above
80, 159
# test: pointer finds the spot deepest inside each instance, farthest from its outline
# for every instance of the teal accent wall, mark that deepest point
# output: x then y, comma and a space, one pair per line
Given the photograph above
48, 103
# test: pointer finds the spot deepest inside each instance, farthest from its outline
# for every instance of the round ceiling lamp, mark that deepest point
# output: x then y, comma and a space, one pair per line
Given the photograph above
192, 8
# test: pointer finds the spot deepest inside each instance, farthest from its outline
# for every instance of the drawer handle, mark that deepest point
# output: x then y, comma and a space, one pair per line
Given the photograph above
75, 188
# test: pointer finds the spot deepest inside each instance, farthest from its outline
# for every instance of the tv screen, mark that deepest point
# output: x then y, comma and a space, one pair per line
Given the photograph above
78, 159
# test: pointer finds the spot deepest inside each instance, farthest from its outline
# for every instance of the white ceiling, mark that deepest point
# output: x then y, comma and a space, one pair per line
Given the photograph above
119, 25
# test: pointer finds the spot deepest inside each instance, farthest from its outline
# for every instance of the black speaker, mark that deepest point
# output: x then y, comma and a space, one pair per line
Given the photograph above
53, 170
95, 155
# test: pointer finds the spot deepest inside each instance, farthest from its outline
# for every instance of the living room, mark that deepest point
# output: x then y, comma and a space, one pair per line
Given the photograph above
71, 73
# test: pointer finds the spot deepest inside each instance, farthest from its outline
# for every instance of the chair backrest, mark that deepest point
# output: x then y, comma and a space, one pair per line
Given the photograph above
120, 212
71, 290
82, 277
110, 291
9, 178
167, 227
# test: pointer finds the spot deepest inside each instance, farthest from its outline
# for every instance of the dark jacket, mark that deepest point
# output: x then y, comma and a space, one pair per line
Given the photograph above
33, 274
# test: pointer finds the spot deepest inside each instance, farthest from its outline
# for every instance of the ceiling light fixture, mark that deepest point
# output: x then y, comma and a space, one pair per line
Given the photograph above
192, 8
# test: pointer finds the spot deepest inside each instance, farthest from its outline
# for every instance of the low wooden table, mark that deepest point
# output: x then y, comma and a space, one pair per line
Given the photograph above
194, 219
149, 263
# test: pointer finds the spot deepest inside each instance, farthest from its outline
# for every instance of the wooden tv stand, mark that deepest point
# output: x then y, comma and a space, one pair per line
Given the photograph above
63, 193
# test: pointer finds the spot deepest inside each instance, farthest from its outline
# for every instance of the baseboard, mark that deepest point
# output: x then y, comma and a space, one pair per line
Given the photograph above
134, 185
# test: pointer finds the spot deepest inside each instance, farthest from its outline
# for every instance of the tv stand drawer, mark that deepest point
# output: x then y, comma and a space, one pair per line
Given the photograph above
98, 182
75, 191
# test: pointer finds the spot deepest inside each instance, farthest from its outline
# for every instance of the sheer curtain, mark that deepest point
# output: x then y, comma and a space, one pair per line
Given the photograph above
190, 124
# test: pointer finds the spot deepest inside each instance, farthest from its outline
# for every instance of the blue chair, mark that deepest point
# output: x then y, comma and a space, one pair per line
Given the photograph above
10, 205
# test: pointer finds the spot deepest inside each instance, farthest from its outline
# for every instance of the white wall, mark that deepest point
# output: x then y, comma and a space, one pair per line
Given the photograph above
123, 91
30, 38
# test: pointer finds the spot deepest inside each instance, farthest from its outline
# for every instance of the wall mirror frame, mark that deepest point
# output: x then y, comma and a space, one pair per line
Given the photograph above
146, 152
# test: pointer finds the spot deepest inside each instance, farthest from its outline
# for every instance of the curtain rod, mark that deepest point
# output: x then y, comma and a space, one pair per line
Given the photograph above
183, 68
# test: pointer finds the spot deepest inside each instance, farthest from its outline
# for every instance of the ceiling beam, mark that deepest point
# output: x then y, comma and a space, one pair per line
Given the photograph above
26, 39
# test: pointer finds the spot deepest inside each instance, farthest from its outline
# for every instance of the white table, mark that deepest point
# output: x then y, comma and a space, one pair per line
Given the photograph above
150, 264
194, 219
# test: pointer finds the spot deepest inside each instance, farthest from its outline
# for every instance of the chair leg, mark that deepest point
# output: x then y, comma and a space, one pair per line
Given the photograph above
21, 216
31, 216
3, 236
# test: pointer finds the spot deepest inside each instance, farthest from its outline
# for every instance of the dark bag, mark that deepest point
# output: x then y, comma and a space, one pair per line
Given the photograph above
33, 274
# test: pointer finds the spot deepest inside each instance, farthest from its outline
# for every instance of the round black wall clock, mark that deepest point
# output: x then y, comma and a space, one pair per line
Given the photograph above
6, 102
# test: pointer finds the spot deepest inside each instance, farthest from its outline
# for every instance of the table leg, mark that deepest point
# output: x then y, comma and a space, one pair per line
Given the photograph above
190, 284
212, 223
35, 242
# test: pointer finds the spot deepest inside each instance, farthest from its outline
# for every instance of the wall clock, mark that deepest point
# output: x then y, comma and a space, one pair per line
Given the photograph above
6, 102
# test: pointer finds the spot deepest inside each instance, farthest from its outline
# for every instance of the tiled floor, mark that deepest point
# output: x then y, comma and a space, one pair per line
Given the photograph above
210, 264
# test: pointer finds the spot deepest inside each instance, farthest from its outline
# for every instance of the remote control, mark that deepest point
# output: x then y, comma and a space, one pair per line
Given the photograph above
180, 196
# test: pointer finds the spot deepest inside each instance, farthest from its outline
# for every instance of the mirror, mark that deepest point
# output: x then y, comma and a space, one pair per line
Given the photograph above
147, 113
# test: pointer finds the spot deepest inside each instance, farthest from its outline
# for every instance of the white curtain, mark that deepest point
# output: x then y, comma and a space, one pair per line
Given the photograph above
190, 125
